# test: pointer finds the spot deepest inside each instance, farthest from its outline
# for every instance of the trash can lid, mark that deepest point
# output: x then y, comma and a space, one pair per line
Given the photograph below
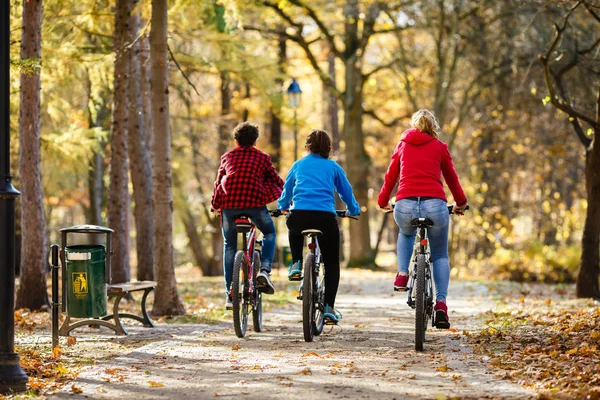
87, 229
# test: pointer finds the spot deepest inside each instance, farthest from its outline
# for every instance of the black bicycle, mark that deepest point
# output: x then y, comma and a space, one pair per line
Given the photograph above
420, 283
312, 287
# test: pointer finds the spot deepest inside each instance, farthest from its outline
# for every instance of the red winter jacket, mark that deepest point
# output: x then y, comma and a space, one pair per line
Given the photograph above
417, 165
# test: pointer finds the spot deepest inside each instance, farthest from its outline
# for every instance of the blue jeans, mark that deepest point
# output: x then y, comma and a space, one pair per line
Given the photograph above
437, 211
259, 217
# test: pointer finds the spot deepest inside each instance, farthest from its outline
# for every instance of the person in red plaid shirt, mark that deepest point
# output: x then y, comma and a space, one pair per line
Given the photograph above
246, 182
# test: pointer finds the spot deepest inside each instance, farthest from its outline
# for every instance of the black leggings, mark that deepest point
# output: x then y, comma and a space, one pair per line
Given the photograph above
329, 243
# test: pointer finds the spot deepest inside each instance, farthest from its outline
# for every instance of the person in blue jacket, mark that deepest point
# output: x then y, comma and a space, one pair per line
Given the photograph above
310, 188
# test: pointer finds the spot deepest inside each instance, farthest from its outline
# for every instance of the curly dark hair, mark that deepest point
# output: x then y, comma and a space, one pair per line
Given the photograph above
318, 142
246, 134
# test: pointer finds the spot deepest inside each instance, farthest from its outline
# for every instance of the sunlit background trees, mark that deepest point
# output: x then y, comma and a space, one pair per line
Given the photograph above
485, 68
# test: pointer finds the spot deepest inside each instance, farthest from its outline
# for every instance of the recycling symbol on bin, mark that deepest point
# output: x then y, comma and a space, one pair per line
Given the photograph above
80, 283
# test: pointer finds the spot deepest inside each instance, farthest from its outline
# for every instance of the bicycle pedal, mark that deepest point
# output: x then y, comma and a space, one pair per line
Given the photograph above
299, 297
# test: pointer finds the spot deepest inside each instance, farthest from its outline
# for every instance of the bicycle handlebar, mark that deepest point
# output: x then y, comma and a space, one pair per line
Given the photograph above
450, 209
339, 213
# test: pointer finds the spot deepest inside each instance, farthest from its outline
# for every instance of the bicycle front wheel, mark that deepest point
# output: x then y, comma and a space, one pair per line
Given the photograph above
420, 311
239, 288
256, 296
308, 297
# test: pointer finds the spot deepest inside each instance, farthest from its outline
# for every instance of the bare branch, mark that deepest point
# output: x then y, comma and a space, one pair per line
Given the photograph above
382, 67
390, 124
395, 29
561, 103
301, 41
369, 26
313, 15
591, 11
180, 70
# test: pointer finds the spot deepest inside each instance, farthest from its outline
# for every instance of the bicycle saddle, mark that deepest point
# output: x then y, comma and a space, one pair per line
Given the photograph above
312, 232
422, 222
242, 224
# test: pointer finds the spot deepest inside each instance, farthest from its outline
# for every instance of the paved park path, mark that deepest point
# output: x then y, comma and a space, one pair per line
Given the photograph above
370, 355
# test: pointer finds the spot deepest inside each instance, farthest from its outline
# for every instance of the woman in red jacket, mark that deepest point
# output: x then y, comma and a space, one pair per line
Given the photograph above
419, 161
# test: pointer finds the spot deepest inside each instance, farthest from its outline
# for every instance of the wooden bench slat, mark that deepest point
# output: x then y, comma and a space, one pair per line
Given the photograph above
130, 286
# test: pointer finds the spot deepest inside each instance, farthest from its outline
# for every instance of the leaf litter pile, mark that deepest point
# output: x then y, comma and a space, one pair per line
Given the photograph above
541, 337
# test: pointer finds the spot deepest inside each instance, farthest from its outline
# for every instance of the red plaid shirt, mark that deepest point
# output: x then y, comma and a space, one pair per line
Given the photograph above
246, 179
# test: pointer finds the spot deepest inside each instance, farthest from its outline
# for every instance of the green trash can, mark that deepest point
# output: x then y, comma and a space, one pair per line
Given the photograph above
85, 278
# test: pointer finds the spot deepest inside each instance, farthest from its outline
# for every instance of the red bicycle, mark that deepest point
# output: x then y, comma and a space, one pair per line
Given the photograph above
246, 265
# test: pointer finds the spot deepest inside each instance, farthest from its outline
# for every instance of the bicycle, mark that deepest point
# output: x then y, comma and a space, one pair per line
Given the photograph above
246, 266
312, 286
421, 300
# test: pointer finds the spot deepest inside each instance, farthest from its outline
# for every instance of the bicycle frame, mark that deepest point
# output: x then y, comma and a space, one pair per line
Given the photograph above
421, 247
315, 249
248, 245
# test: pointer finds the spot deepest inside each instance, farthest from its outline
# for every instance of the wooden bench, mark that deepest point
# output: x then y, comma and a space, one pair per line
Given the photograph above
118, 290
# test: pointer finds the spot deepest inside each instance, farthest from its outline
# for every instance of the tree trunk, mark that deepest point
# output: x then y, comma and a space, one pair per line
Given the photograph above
357, 167
331, 123
226, 122
275, 137
98, 117
32, 288
95, 188
246, 111
587, 279
118, 195
146, 90
166, 299
141, 174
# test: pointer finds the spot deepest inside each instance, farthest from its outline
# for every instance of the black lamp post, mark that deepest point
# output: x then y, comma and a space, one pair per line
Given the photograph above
294, 95
12, 377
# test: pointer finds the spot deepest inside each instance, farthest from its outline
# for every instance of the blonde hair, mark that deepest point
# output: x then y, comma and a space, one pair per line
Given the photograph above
425, 121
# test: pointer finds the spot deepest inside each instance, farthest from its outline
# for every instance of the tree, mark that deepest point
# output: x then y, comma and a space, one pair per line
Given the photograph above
359, 22
118, 195
275, 134
571, 55
141, 174
166, 297
32, 288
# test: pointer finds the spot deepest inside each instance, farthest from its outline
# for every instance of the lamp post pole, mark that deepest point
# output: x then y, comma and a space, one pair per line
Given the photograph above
12, 377
295, 134
294, 95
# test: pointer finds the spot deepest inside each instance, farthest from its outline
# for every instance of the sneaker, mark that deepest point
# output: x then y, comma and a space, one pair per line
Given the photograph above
331, 315
263, 282
400, 283
441, 315
295, 271
228, 302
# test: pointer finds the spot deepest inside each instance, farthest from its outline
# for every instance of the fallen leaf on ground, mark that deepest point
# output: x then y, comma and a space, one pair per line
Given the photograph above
156, 384
71, 341
236, 347
76, 389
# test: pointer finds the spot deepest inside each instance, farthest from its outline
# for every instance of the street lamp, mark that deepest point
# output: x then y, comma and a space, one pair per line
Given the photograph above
294, 95
12, 377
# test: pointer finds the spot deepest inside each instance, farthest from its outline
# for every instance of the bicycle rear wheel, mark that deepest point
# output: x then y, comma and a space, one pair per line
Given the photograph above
420, 310
319, 306
308, 297
256, 296
239, 290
